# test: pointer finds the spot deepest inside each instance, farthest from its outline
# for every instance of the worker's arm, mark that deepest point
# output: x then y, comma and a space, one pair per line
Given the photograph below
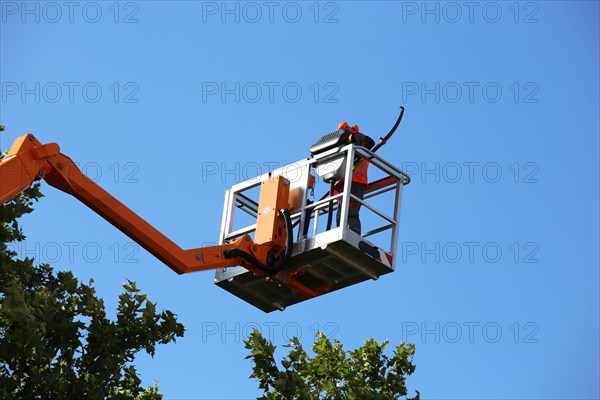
29, 160
362, 140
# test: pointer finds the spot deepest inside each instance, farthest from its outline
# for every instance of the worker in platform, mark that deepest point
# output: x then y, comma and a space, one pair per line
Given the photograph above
359, 176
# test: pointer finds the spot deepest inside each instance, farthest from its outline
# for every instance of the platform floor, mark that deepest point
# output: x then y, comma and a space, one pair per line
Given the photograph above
332, 258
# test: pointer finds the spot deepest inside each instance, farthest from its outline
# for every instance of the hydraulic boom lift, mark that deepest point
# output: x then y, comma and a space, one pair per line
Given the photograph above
261, 262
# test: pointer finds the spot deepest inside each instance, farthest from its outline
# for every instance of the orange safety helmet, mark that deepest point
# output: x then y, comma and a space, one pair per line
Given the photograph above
344, 125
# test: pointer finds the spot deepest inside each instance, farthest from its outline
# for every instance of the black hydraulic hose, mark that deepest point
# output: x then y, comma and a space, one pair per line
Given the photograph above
248, 257
289, 240
285, 213
330, 212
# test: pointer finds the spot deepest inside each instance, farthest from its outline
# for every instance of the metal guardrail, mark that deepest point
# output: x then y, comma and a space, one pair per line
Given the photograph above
394, 180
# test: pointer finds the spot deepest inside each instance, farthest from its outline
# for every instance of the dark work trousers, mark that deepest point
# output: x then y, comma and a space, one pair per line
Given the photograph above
358, 190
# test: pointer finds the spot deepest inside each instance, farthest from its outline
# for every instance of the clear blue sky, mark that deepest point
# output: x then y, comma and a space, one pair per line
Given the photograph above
498, 284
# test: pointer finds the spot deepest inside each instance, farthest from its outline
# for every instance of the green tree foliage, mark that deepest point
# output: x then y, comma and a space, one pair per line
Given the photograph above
56, 341
332, 373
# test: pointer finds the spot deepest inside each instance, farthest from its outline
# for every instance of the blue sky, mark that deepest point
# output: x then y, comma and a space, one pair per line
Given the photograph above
498, 281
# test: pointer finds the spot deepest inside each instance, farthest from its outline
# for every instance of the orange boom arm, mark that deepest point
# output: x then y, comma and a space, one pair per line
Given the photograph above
29, 160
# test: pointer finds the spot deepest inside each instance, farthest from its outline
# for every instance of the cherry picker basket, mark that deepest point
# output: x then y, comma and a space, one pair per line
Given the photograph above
322, 260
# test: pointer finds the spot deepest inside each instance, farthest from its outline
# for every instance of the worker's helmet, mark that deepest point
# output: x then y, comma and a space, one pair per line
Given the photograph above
344, 125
